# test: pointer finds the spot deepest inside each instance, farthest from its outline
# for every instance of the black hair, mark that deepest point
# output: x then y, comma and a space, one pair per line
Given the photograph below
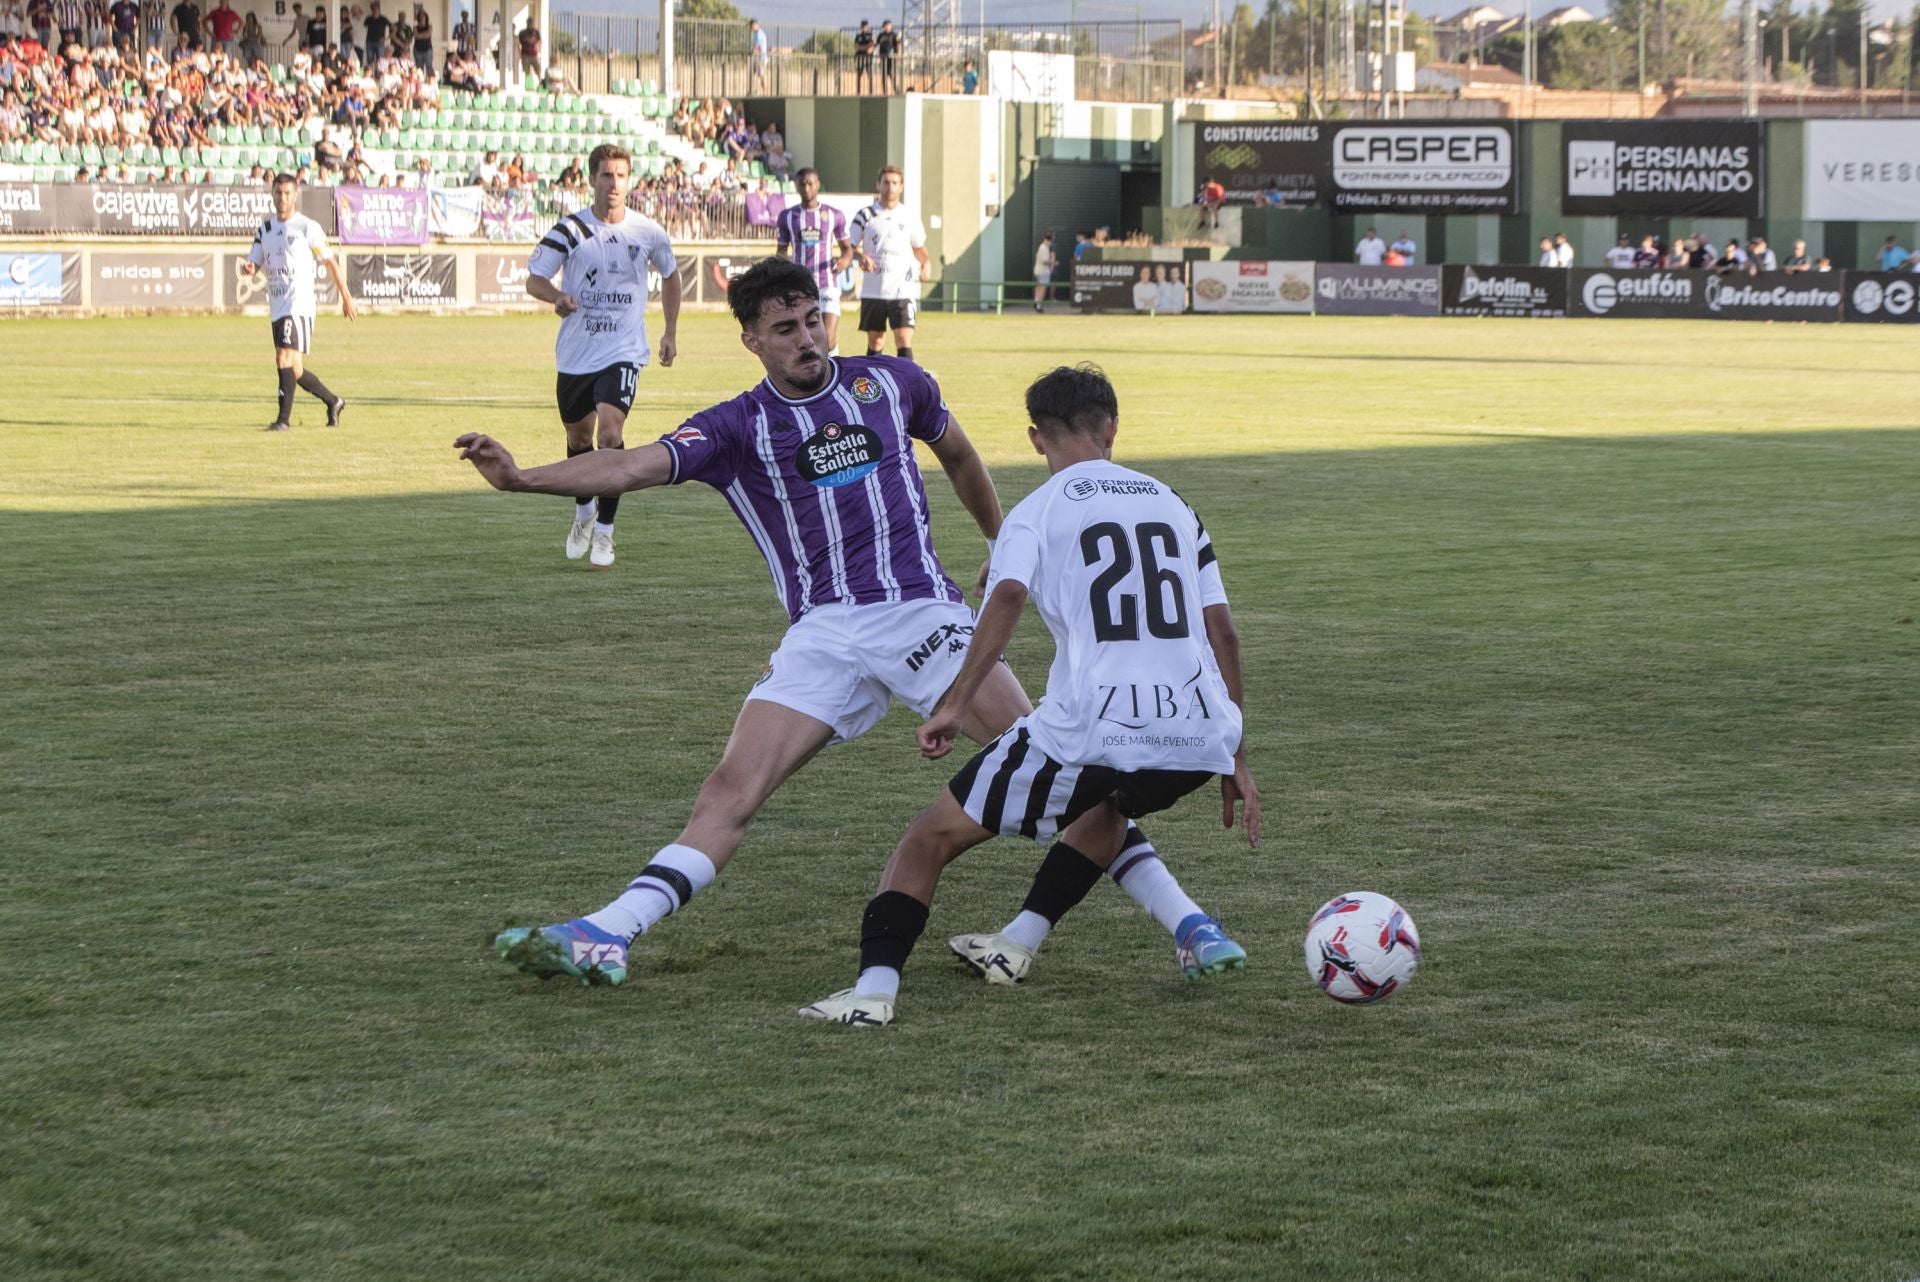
1071, 398
771, 280
801, 174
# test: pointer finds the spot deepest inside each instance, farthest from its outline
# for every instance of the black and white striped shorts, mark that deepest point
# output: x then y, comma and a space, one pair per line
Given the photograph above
295, 332
1013, 788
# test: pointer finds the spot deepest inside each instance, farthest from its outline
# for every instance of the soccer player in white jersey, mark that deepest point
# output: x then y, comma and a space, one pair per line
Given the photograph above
288, 248
605, 252
815, 235
891, 244
817, 461
1142, 705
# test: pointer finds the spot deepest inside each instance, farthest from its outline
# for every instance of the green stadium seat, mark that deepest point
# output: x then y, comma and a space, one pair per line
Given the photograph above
653, 86
251, 135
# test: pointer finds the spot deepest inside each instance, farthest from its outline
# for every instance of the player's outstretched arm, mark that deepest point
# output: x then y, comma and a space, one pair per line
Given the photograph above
598, 472
972, 484
1224, 639
991, 632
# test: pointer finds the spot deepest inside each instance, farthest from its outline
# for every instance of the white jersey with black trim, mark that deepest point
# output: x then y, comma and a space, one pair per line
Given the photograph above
605, 265
1121, 569
889, 237
290, 253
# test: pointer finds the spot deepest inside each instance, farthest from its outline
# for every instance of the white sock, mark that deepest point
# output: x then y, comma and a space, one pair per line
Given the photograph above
603, 527
583, 509
657, 892
1029, 930
878, 981
1151, 886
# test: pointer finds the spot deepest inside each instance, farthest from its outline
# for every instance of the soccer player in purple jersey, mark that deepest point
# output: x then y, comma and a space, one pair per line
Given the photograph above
816, 235
817, 462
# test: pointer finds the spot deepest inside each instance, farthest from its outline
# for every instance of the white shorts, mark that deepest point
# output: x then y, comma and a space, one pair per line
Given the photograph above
830, 302
845, 664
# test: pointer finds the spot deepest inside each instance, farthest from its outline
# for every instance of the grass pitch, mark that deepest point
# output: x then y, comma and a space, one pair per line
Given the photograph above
1593, 643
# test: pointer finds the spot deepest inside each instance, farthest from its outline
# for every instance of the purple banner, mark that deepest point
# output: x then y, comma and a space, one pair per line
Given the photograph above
381, 215
763, 207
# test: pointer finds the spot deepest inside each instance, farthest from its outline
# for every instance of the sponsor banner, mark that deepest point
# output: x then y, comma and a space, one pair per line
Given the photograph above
509, 217
381, 215
1801, 296
26, 207
402, 280
177, 210
500, 280
1105, 287
1252, 286
152, 280
1661, 167
1503, 291
238, 288
1671, 295
716, 272
1863, 170
1422, 169
39, 280
1880, 297
455, 211
1341, 289
1291, 162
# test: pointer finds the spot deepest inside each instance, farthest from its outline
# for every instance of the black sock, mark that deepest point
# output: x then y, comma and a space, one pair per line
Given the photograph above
904, 353
310, 382
1133, 847
287, 385
575, 451
889, 929
609, 503
1064, 879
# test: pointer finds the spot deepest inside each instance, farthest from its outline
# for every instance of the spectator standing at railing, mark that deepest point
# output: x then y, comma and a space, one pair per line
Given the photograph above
758, 55
463, 36
969, 78
1760, 256
530, 47
1548, 258
1405, 247
1371, 251
316, 36
378, 28
153, 22
253, 41
887, 45
1044, 261
1648, 255
70, 19
223, 24
96, 11
1797, 261
40, 22
863, 58
13, 21
1562, 249
1622, 256
422, 39
186, 22
1892, 257
400, 38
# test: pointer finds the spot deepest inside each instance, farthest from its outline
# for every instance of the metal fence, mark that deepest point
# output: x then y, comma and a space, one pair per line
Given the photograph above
1114, 61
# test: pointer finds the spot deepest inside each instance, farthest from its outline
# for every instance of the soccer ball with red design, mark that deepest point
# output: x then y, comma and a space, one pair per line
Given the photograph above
1361, 948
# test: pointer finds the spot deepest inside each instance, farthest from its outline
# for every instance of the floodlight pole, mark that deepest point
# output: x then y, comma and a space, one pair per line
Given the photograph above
666, 49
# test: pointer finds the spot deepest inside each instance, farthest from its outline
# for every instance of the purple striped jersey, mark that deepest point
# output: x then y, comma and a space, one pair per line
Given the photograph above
828, 486
815, 235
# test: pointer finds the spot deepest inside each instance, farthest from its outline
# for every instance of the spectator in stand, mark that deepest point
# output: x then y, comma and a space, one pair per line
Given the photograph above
1823, 264
378, 29
1212, 197
1405, 247
1760, 256
400, 35
1623, 255
463, 35
758, 55
530, 47
1892, 257
123, 16
1732, 258
1081, 240
1548, 258
186, 22
317, 32
969, 78
422, 39
223, 24
1371, 251
1562, 250
486, 171
253, 41
863, 58
1797, 261
40, 23
153, 21
1649, 254
887, 45
70, 19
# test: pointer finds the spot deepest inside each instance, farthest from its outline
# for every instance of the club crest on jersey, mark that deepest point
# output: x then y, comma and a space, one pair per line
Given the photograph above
837, 454
688, 434
864, 390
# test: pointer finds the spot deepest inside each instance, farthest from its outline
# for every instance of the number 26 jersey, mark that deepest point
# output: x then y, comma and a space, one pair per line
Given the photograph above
1121, 569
